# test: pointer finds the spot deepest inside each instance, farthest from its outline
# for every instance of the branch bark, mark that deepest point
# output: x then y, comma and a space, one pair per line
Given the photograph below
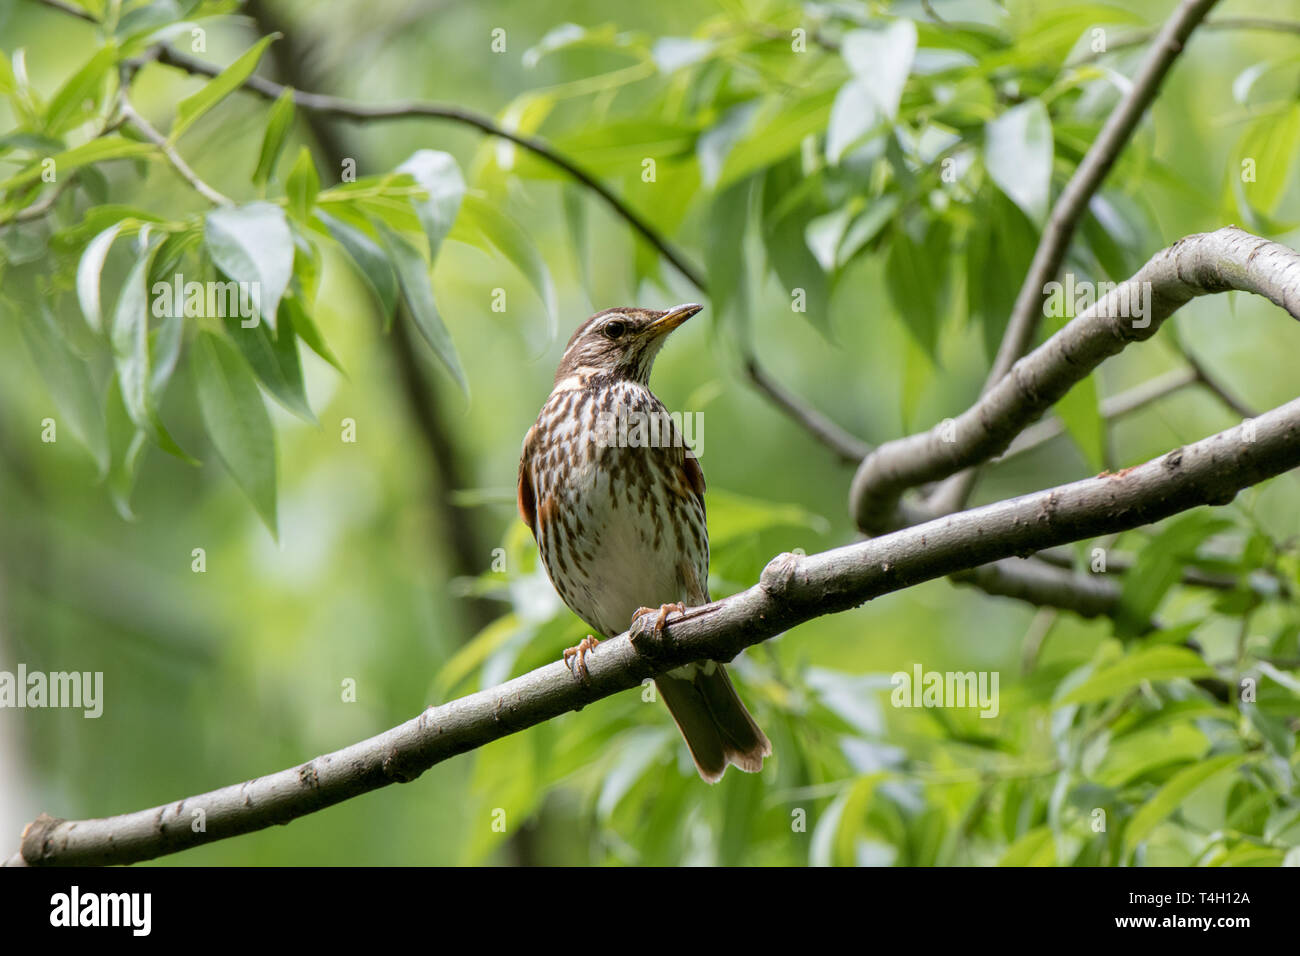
1197, 265
792, 589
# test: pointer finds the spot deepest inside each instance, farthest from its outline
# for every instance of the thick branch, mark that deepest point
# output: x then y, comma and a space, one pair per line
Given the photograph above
1045, 585
792, 590
1198, 265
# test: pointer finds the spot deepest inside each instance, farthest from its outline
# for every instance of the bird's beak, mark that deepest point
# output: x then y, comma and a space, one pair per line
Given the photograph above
672, 318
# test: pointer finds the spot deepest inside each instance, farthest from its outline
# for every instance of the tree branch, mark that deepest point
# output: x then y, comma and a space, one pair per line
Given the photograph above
1197, 265
1045, 585
849, 448
792, 589
416, 109
178, 163
1141, 37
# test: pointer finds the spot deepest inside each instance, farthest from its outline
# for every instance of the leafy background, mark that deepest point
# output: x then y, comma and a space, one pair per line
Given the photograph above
822, 170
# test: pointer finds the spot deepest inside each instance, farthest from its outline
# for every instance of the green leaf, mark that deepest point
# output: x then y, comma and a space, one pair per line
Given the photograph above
302, 186
852, 821
308, 331
88, 272
132, 358
787, 252
66, 106
1080, 412
417, 293
715, 143
1272, 728
1018, 153
916, 274
1035, 848
575, 217
127, 444
278, 125
164, 351
439, 175
68, 381
866, 226
1159, 566
96, 151
1161, 662
236, 419
371, 261
999, 249
221, 86
881, 61
733, 516
1169, 797
253, 244
511, 240
148, 21
777, 130
273, 356
823, 235
1269, 146
1143, 751
725, 252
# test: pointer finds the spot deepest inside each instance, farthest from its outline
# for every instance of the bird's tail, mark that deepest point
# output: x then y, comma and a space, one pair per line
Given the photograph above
715, 724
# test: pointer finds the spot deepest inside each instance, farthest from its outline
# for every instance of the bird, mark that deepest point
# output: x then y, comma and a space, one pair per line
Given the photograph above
620, 523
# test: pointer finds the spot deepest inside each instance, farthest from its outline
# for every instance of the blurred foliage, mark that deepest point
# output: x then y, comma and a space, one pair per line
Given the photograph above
865, 184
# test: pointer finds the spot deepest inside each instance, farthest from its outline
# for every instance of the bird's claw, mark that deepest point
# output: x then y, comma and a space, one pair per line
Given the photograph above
662, 611
585, 646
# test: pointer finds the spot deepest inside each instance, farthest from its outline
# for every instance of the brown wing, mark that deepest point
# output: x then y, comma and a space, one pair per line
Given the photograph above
695, 476
696, 579
527, 502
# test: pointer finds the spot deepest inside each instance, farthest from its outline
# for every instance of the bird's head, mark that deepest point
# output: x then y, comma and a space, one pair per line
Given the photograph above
621, 343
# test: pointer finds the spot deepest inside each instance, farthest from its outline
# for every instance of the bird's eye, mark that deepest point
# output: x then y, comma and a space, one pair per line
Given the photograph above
614, 330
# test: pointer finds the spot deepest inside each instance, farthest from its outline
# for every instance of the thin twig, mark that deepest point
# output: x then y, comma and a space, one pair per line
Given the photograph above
417, 109
1141, 37
182, 168
39, 208
850, 449
1212, 384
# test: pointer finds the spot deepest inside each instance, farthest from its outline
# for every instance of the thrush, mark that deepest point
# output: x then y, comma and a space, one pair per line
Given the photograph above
620, 524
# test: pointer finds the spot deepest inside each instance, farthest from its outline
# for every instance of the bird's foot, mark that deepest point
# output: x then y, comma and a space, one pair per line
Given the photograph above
662, 611
579, 655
